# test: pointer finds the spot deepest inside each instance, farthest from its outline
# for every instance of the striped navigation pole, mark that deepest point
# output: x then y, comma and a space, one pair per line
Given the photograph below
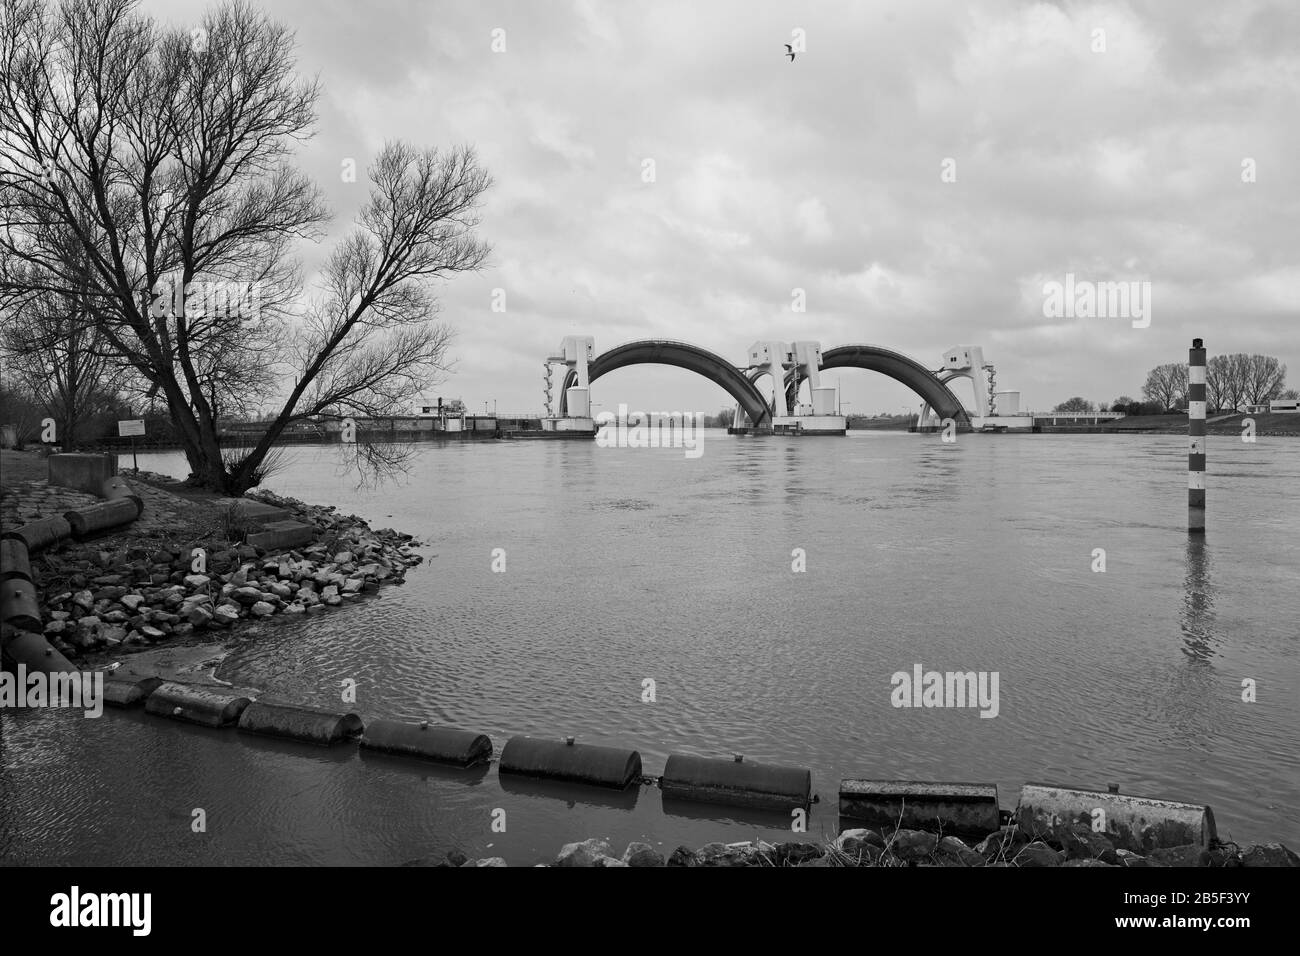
1196, 438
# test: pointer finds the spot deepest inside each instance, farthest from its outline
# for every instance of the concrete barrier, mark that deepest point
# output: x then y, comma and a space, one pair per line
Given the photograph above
462, 748
41, 533
18, 605
195, 705
33, 650
14, 562
128, 691
961, 809
569, 761
736, 783
102, 516
83, 472
281, 535
1140, 824
307, 724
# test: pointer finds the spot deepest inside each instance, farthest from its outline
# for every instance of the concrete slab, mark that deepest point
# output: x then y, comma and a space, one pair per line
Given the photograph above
254, 512
86, 473
282, 535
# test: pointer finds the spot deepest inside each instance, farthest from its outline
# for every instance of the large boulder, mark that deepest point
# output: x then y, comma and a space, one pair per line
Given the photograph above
642, 854
682, 856
1188, 855
1268, 854
724, 854
954, 849
585, 853
912, 845
1037, 853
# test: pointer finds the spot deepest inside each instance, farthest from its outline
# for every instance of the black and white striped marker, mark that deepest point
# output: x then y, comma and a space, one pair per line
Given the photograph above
1196, 438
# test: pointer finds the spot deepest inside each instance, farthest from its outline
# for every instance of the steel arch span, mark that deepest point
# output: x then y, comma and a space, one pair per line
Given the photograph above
682, 355
901, 369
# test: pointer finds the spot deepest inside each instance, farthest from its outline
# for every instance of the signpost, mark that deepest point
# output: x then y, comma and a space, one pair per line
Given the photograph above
131, 427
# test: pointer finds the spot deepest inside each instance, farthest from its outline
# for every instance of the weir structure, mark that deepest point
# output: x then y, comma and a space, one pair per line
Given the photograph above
994, 410
775, 410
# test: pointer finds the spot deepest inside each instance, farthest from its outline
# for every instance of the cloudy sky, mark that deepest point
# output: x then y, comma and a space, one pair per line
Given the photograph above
827, 174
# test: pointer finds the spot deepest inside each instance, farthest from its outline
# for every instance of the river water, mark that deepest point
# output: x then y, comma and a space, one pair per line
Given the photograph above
628, 565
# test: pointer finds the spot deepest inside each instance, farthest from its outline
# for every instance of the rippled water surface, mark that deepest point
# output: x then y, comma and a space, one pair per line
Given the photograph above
628, 564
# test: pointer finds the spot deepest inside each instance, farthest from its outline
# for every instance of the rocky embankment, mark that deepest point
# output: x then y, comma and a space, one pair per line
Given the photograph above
129, 591
1073, 847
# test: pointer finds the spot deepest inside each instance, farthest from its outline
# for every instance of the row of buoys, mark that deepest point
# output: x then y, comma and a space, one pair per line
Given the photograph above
962, 809
702, 779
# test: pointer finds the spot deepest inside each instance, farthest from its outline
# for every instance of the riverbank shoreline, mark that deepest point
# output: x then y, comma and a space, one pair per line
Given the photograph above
1068, 847
185, 571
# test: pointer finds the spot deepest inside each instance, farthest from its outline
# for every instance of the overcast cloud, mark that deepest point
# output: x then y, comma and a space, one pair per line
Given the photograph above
825, 174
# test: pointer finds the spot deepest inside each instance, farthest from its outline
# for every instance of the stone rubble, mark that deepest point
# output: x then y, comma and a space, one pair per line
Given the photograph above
128, 599
1073, 847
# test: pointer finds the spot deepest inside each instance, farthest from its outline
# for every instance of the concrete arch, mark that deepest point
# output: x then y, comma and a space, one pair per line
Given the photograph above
900, 368
682, 355
945, 377
791, 385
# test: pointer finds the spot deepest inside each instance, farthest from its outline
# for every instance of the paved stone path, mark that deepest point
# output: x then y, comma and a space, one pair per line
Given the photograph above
30, 500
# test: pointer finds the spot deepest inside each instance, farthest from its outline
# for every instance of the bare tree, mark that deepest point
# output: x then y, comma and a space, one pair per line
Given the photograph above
60, 358
1263, 379
159, 157
1078, 405
1166, 385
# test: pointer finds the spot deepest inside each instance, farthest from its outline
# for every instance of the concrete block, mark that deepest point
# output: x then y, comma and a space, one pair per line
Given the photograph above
83, 472
282, 536
964, 809
1140, 824
254, 512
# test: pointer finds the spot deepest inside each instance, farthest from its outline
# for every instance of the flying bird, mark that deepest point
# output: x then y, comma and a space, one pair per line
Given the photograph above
791, 53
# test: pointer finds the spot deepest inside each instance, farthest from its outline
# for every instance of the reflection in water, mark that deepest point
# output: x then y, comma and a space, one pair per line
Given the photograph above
1198, 617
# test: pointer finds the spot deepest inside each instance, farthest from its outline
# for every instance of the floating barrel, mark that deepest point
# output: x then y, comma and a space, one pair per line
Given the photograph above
464, 748
1139, 824
195, 705
299, 723
128, 691
102, 516
42, 533
962, 809
566, 760
14, 561
34, 651
18, 605
116, 487
736, 783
